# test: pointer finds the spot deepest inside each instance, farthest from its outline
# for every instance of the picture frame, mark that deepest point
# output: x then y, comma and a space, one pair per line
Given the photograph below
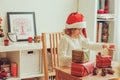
22, 24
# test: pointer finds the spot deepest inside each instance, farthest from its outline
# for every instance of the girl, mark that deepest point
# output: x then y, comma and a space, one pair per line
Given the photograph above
75, 38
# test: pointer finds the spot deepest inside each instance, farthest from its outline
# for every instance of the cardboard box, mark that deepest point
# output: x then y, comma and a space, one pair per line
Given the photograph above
80, 55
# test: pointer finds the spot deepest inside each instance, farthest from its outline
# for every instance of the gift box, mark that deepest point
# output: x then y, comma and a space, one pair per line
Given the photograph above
103, 61
80, 55
82, 69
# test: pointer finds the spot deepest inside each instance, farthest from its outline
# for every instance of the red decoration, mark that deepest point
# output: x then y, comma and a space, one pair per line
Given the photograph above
6, 42
103, 61
1, 30
30, 39
3, 75
78, 69
14, 69
100, 11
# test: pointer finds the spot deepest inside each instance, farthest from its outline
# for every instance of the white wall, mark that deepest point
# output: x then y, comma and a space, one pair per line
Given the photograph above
50, 14
117, 31
88, 9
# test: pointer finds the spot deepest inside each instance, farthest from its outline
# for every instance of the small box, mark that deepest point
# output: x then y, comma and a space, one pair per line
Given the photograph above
82, 69
80, 55
103, 61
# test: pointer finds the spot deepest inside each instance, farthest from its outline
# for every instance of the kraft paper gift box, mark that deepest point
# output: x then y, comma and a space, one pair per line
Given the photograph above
103, 61
80, 55
82, 69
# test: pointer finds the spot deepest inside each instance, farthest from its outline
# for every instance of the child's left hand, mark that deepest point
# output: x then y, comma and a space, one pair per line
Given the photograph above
112, 46
105, 46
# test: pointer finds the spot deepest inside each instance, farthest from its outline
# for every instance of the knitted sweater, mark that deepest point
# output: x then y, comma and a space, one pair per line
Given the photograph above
67, 44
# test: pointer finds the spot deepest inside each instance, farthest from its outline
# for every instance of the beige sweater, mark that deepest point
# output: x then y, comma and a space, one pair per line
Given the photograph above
67, 44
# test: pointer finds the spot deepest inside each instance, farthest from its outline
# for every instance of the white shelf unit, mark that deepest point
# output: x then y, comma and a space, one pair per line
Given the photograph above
89, 10
28, 57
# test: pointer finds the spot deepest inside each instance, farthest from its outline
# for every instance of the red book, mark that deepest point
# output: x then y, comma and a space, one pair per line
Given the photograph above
82, 69
106, 10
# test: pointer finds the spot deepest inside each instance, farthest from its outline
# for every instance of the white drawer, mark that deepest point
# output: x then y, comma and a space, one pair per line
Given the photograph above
29, 62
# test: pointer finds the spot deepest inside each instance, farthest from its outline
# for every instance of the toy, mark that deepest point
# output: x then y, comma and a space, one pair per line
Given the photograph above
4, 68
3, 75
104, 72
95, 71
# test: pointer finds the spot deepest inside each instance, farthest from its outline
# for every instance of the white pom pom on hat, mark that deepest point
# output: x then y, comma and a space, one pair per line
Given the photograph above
75, 20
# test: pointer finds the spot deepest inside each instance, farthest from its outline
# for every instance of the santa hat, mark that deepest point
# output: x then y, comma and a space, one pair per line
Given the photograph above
75, 20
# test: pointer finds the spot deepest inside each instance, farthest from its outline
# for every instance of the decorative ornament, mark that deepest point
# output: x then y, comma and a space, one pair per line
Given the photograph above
1, 30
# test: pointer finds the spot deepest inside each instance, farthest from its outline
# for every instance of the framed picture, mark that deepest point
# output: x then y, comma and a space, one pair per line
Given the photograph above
22, 23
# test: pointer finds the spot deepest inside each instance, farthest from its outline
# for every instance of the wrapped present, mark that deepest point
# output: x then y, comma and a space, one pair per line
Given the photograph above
111, 49
103, 61
80, 55
82, 69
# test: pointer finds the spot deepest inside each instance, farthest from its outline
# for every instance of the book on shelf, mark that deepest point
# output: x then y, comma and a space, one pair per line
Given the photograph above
103, 6
102, 31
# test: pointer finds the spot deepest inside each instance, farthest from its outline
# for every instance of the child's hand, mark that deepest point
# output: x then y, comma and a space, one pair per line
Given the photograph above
108, 46
112, 46
105, 46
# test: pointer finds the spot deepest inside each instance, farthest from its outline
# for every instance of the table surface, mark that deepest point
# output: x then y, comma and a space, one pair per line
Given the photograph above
65, 72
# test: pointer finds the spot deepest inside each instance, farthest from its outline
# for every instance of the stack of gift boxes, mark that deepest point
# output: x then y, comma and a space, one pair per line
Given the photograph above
82, 66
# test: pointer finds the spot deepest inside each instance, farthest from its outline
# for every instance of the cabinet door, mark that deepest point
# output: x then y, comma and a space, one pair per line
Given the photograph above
89, 9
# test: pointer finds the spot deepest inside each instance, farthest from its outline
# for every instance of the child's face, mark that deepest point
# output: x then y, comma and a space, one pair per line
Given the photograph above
77, 31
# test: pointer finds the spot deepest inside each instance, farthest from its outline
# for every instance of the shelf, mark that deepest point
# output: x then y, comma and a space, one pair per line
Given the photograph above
18, 52
111, 19
105, 16
13, 78
26, 76
20, 46
31, 76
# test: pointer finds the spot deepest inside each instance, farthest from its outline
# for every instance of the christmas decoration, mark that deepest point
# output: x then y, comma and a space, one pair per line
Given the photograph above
1, 30
103, 61
76, 20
